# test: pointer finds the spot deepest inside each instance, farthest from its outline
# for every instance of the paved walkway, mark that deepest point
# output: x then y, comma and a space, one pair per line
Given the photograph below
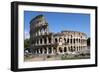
42, 58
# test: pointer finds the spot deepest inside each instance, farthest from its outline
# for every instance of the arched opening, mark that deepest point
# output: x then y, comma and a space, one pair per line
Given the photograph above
71, 41
49, 40
41, 50
45, 50
74, 40
68, 40
60, 49
49, 50
74, 48
41, 41
65, 49
77, 40
56, 40
60, 39
65, 40
71, 49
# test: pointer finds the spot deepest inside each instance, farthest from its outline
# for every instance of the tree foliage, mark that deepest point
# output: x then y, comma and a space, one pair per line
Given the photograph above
88, 41
26, 43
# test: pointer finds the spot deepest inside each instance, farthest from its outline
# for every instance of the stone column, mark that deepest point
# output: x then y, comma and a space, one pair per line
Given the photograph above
52, 39
46, 30
57, 49
39, 32
52, 50
42, 31
80, 42
38, 50
47, 50
43, 41
43, 51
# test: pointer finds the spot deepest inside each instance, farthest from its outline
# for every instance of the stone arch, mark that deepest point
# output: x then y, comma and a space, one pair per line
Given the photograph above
40, 40
56, 40
60, 39
60, 49
68, 40
65, 49
74, 40
64, 39
49, 39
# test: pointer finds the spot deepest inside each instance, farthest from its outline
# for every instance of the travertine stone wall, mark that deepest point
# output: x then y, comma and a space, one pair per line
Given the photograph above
45, 42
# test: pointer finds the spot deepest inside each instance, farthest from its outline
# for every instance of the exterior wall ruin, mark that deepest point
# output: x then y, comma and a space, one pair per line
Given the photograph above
44, 42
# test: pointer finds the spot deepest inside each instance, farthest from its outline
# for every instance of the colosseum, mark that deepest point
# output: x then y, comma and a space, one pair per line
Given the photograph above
44, 42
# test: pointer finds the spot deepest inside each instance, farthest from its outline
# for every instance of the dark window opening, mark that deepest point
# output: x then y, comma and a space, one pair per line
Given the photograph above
45, 40
71, 41
60, 49
56, 40
71, 49
41, 41
64, 49
68, 41
45, 50
65, 39
74, 41
50, 50
37, 41
41, 50
49, 40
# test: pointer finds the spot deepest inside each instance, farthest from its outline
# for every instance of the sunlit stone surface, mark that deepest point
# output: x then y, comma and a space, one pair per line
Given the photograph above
43, 42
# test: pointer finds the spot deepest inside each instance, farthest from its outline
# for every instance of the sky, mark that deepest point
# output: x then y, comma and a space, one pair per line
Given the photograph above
60, 21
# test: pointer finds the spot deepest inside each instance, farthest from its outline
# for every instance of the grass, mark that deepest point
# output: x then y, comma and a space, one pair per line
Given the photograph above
74, 57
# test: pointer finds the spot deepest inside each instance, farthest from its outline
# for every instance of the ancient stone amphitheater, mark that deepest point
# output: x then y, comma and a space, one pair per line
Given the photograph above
44, 42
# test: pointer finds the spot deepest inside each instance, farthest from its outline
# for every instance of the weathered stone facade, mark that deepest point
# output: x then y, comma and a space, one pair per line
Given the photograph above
44, 42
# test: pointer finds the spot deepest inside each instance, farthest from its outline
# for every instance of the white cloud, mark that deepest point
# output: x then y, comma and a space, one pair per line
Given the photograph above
26, 35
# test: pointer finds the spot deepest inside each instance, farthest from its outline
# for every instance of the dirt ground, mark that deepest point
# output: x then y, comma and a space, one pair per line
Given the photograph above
52, 57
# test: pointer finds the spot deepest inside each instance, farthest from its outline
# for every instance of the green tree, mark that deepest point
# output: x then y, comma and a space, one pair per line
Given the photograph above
88, 41
26, 43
